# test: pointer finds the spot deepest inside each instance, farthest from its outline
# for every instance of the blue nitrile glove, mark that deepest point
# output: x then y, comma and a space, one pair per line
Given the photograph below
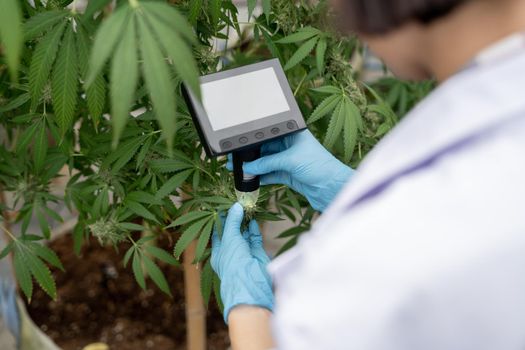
240, 262
300, 162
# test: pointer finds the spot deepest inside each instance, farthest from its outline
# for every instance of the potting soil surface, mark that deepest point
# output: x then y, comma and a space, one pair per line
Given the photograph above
100, 301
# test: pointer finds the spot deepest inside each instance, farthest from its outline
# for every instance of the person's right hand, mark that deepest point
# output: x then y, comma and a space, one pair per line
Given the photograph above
302, 163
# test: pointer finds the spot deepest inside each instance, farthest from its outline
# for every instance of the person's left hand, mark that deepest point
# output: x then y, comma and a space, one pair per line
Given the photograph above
240, 262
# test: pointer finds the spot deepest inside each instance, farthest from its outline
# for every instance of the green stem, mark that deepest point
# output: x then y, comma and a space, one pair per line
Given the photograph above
300, 84
12, 236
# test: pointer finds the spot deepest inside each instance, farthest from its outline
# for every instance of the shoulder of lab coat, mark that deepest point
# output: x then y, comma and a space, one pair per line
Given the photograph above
437, 260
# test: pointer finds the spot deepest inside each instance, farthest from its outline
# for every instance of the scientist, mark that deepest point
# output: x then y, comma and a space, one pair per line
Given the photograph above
425, 247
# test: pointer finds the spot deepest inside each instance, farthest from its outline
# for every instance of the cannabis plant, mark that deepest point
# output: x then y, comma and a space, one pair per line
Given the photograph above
96, 94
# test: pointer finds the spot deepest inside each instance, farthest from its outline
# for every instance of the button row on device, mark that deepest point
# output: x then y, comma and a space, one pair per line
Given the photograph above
259, 135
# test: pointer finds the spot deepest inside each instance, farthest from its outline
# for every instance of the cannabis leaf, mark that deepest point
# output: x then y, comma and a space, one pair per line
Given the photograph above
163, 37
311, 37
65, 82
346, 118
140, 254
42, 62
197, 223
29, 259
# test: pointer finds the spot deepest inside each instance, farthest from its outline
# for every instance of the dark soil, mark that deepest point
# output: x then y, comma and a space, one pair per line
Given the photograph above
99, 301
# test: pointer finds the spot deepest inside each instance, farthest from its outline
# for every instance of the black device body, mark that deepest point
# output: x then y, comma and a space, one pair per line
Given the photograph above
245, 138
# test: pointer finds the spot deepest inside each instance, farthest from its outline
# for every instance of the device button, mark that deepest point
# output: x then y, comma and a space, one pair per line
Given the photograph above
290, 125
227, 144
243, 140
259, 135
275, 131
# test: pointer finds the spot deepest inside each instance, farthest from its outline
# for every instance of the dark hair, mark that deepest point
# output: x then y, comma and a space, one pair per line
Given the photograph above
381, 16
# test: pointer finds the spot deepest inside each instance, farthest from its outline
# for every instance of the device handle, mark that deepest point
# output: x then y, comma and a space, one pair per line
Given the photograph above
245, 182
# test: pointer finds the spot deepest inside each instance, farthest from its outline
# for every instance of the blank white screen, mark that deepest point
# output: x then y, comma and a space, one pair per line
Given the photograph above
243, 98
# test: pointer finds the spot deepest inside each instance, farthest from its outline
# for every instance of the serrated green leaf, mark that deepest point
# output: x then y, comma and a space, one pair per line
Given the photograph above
145, 239
215, 11
188, 236
47, 254
51, 213
96, 98
65, 82
217, 292
16, 102
123, 79
41, 22
289, 244
107, 38
206, 282
189, 217
195, 9
130, 226
169, 165
351, 115
156, 275
328, 89
293, 231
128, 254
96, 210
11, 33
271, 45
162, 255
293, 200
335, 127
42, 221
324, 108
320, 55
267, 8
172, 17
22, 274
142, 154
26, 137
203, 241
251, 7
136, 266
141, 210
42, 274
40, 147
96, 92
301, 35
123, 154
143, 197
158, 81
7, 249
42, 62
172, 184
78, 237
178, 51
301, 53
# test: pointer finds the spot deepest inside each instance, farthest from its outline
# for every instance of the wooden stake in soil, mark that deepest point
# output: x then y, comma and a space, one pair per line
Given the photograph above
195, 310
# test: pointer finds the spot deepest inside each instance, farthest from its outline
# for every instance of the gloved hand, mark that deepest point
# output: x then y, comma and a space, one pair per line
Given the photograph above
240, 262
300, 162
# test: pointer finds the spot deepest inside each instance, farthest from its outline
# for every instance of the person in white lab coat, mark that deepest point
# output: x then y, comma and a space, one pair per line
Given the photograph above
423, 247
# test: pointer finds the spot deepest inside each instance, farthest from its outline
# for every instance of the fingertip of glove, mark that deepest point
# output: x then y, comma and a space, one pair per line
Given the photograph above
236, 209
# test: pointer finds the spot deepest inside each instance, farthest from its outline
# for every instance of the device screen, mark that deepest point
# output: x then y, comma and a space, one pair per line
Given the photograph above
243, 98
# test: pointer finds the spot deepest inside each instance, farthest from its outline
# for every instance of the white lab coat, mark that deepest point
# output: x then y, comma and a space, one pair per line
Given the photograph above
425, 248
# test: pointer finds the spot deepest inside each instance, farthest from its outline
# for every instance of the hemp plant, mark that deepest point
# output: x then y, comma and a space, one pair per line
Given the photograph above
69, 81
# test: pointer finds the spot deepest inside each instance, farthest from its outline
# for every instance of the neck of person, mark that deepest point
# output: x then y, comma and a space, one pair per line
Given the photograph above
452, 43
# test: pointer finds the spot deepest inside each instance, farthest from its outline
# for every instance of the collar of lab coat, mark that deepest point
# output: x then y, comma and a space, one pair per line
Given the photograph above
479, 97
